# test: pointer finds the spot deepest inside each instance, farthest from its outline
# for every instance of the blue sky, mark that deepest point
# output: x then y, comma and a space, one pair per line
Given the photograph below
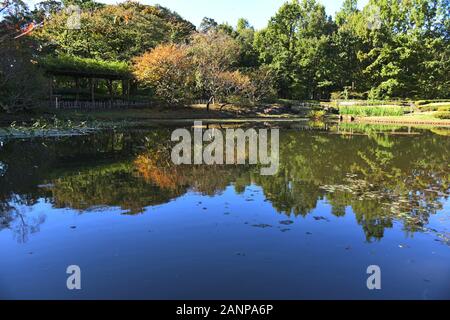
258, 12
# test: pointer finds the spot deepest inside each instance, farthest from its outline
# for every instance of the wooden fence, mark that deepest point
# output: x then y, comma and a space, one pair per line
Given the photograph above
94, 105
59, 103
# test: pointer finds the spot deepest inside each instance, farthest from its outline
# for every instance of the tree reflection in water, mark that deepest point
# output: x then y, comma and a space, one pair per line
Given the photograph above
383, 174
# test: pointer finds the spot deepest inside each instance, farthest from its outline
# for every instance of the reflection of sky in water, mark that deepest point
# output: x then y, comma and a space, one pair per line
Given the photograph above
223, 246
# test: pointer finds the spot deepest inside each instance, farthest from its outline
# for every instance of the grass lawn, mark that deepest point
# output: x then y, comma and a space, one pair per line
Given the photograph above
142, 113
422, 117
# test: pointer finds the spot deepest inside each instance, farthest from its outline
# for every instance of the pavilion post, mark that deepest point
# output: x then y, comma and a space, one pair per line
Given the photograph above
91, 84
50, 88
124, 88
128, 90
110, 93
77, 89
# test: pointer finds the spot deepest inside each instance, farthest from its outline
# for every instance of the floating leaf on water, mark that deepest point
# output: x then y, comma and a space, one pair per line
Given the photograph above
287, 222
262, 225
318, 218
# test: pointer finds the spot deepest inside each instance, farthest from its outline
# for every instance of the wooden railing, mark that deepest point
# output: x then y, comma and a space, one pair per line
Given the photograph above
57, 103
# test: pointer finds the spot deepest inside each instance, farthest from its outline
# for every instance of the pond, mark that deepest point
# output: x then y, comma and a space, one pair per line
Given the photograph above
345, 197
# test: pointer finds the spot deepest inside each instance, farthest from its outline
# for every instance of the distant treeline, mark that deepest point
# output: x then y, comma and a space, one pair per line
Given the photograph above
389, 49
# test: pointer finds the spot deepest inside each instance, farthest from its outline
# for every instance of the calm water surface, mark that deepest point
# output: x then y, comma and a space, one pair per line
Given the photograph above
344, 198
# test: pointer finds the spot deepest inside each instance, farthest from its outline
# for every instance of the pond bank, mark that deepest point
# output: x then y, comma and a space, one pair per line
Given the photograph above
153, 113
405, 120
125, 117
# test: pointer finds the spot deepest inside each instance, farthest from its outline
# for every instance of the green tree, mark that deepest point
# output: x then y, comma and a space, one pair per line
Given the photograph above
296, 45
45, 9
348, 44
245, 35
114, 32
214, 53
169, 71
21, 81
207, 24
408, 50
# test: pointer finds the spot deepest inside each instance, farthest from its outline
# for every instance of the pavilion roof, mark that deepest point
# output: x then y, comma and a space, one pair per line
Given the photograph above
66, 65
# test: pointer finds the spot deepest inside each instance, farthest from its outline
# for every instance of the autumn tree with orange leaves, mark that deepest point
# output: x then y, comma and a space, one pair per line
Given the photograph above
215, 55
205, 68
169, 70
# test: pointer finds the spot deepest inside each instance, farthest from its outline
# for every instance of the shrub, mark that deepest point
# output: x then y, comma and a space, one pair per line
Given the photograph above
336, 95
444, 108
424, 102
67, 63
442, 115
262, 84
22, 84
425, 108
232, 86
435, 107
316, 114
371, 111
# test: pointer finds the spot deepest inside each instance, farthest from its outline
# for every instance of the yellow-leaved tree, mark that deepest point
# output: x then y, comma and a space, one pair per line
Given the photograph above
167, 69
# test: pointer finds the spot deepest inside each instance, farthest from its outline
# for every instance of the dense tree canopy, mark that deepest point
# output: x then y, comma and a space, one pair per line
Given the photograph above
115, 32
296, 44
21, 81
408, 54
388, 49
207, 67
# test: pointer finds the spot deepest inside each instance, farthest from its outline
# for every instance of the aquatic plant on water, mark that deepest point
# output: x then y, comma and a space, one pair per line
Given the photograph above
47, 127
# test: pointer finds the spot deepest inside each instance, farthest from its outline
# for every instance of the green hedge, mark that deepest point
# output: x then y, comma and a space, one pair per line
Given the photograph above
444, 108
442, 115
435, 107
424, 102
72, 64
